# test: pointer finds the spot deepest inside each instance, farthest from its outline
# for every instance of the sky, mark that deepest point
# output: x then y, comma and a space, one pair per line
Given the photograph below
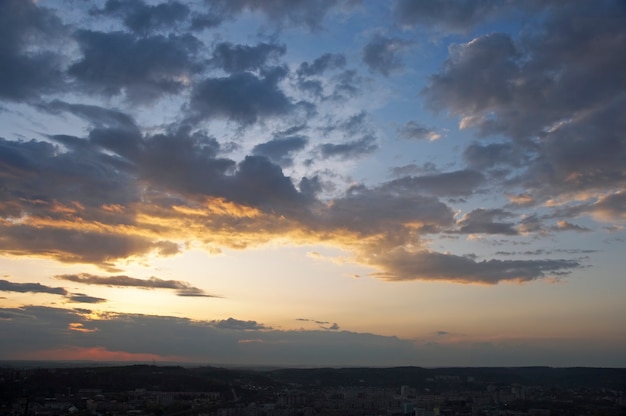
313, 182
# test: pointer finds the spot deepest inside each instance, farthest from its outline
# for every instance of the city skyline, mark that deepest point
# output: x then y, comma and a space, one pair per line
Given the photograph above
313, 183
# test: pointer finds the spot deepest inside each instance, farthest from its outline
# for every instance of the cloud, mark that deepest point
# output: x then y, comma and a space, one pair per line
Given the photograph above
143, 68
34, 237
96, 219
553, 92
382, 212
82, 298
133, 335
98, 117
481, 157
204, 21
326, 62
279, 150
123, 189
401, 264
28, 71
461, 88
47, 333
450, 14
259, 182
349, 150
484, 221
380, 54
239, 58
457, 183
310, 14
142, 18
255, 194
241, 97
6, 286
347, 84
322, 324
236, 324
610, 207
181, 288
568, 226
416, 131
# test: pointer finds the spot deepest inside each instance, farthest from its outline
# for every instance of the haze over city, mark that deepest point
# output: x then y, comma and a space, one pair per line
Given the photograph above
313, 183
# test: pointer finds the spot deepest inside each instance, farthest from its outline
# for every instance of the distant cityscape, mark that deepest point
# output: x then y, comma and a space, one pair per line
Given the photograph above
151, 390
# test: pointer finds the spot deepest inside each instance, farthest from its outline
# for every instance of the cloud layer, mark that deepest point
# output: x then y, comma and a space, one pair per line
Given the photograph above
449, 141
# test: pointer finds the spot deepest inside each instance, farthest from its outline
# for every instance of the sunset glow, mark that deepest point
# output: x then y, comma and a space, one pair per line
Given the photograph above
313, 183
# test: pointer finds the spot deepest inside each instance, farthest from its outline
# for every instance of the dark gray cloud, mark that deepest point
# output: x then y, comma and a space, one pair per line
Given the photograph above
186, 161
416, 131
85, 182
347, 84
259, 182
310, 187
381, 54
183, 160
7, 315
181, 288
194, 292
236, 324
483, 221
531, 224
322, 324
82, 298
6, 286
238, 58
354, 124
143, 18
384, 211
34, 330
350, 150
72, 245
449, 14
205, 21
428, 168
97, 116
462, 85
313, 320
326, 62
280, 150
57, 192
554, 133
492, 155
95, 178
611, 206
28, 71
457, 183
310, 13
588, 153
242, 97
142, 68
401, 264
554, 91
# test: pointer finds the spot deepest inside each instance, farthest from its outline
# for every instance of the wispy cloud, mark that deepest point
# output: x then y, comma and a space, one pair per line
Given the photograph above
7, 286
181, 288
